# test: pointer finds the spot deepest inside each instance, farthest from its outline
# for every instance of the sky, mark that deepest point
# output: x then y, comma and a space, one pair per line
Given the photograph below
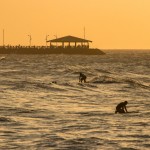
110, 24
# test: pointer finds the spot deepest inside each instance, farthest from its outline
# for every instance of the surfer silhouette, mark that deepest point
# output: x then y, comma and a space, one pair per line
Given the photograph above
121, 107
82, 77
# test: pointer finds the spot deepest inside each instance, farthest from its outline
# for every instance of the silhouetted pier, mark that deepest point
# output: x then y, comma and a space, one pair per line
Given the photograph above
64, 45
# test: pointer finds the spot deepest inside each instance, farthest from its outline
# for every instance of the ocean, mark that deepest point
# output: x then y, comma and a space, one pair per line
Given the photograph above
44, 107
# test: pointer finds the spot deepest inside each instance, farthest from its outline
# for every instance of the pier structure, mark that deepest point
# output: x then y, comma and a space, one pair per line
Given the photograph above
69, 42
65, 45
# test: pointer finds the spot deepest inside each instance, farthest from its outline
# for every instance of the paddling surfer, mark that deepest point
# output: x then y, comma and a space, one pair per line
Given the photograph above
121, 107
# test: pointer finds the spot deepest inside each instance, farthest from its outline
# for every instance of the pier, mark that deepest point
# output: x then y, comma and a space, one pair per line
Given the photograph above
63, 45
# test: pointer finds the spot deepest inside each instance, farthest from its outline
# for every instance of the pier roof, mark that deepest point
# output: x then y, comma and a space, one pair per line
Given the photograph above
69, 39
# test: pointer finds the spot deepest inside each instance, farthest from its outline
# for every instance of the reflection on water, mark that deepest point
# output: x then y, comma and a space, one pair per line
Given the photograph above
43, 106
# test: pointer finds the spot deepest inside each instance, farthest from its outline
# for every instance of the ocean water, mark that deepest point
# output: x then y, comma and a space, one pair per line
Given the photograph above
44, 107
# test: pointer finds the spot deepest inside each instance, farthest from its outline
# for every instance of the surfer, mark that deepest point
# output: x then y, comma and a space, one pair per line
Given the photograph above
82, 77
121, 107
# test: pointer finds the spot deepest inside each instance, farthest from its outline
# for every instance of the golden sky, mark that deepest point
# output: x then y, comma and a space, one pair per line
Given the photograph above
110, 24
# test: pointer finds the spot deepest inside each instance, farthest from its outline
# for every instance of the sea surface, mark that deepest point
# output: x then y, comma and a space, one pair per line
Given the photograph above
44, 107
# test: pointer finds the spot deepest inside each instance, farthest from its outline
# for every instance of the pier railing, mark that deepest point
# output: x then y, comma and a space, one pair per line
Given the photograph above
42, 47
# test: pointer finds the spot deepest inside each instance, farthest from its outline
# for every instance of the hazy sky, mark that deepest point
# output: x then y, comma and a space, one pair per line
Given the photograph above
108, 23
